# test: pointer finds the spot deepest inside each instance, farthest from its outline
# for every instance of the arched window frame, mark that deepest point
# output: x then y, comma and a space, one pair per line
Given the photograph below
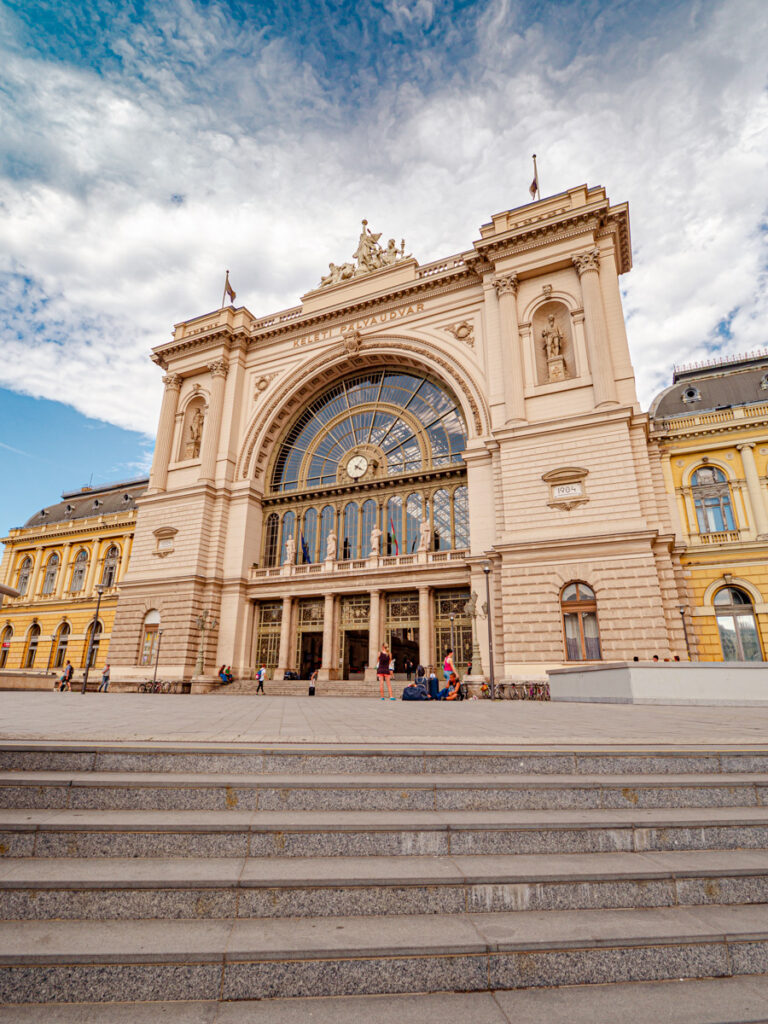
350, 528
79, 569
271, 538
25, 572
712, 501
97, 629
51, 573
63, 634
737, 624
5, 641
580, 624
109, 570
33, 640
149, 635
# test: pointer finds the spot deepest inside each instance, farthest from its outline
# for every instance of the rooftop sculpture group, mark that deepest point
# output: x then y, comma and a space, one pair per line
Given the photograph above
369, 255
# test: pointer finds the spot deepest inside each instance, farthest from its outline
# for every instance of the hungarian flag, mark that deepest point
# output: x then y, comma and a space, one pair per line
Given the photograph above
534, 188
229, 290
393, 535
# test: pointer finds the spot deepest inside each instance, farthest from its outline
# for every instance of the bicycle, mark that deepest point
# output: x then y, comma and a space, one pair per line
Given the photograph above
158, 686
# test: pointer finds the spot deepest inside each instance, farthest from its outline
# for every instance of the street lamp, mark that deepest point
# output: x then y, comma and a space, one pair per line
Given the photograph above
99, 591
453, 616
487, 571
157, 654
685, 631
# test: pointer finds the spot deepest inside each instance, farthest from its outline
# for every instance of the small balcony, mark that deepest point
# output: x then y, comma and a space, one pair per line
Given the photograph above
332, 568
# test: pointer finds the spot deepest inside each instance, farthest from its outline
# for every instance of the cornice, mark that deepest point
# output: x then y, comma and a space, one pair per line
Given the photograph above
665, 431
50, 538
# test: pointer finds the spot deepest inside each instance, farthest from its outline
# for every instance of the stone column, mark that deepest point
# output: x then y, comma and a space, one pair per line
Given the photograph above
158, 477
598, 347
425, 631
754, 490
328, 668
62, 571
212, 425
285, 638
374, 633
511, 351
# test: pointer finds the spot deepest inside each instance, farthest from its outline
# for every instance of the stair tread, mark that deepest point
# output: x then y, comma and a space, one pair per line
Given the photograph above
118, 872
148, 941
343, 820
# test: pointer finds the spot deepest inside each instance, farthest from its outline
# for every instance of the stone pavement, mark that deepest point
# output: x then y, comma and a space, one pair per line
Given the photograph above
158, 718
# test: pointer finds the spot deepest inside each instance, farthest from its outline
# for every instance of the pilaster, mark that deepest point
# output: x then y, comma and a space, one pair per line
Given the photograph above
600, 363
158, 477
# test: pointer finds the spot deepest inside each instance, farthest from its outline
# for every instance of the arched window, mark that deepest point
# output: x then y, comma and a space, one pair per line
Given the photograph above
149, 637
579, 608
109, 575
349, 539
442, 527
51, 572
327, 521
289, 525
78, 573
33, 639
25, 572
308, 552
739, 637
461, 517
94, 630
270, 546
5, 645
412, 523
62, 639
394, 525
712, 499
370, 511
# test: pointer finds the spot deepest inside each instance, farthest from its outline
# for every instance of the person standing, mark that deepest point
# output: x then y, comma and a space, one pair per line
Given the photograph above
448, 665
261, 675
384, 672
66, 679
104, 680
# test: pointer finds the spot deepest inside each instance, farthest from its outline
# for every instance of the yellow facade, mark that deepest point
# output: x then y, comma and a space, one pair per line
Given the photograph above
722, 517
57, 561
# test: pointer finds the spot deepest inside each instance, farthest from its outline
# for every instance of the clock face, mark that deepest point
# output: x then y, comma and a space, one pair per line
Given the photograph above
357, 466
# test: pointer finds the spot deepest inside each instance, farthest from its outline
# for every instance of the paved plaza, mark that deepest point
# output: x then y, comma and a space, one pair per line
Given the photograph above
158, 718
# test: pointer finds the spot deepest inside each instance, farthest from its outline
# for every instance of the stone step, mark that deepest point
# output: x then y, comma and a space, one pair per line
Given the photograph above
192, 791
739, 1000
301, 759
121, 888
71, 961
241, 833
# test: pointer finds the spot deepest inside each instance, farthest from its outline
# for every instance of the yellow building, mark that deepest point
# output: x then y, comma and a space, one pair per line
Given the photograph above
58, 561
710, 429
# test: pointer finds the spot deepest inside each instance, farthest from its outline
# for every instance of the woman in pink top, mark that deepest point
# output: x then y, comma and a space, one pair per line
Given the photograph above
448, 665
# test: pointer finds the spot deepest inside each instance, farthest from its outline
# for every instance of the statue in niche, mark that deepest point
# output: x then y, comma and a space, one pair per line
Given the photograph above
375, 542
290, 551
330, 546
192, 448
553, 348
424, 536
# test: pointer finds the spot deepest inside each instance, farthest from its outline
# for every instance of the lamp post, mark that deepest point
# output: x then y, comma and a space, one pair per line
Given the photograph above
487, 571
685, 631
453, 649
157, 654
99, 591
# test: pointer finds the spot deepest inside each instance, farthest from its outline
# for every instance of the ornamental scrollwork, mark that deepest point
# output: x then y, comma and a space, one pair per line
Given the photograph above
218, 368
506, 285
586, 261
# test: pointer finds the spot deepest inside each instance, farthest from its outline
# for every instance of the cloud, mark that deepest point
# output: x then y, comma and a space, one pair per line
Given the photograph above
149, 147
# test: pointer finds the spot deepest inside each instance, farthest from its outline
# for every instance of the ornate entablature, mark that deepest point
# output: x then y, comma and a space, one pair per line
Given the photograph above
368, 256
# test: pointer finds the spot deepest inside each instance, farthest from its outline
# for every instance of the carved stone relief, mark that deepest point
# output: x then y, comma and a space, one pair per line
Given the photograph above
463, 331
261, 384
369, 256
567, 487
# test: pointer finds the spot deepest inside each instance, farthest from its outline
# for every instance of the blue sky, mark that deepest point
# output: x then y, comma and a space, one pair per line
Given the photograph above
147, 145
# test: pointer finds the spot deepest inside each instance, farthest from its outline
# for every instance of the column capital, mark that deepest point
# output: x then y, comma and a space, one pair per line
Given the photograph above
745, 444
218, 368
586, 261
506, 284
172, 381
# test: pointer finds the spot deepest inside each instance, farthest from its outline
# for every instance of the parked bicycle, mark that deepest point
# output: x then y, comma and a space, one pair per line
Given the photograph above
158, 686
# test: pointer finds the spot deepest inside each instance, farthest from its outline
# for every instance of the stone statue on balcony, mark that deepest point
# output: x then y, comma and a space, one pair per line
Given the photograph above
290, 551
330, 546
375, 542
424, 536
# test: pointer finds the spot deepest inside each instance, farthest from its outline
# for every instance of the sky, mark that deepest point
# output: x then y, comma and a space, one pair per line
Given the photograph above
148, 145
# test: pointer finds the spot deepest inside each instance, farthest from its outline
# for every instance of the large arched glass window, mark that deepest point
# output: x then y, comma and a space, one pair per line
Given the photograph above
149, 637
736, 622
33, 639
5, 645
370, 511
412, 523
270, 546
109, 575
461, 517
327, 521
579, 608
62, 640
308, 551
398, 422
78, 573
51, 572
394, 525
92, 645
712, 500
25, 571
349, 536
442, 526
289, 526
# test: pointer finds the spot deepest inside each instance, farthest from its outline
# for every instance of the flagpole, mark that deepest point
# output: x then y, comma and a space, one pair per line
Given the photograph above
224, 293
536, 177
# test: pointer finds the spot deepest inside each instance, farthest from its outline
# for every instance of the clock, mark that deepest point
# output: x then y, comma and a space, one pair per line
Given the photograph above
357, 466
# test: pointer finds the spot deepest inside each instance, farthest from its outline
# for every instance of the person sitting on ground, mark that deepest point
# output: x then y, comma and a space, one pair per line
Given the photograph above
451, 692
414, 692
421, 675
433, 686
228, 674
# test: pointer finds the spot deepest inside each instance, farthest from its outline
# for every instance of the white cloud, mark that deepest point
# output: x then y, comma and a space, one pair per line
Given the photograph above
276, 168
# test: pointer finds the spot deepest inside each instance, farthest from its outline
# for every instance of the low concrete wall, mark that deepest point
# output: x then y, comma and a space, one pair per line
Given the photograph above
735, 683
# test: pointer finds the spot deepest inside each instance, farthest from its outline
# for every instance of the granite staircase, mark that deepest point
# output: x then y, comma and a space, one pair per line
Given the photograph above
168, 882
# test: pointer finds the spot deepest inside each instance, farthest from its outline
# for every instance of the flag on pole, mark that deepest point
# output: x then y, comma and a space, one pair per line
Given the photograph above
304, 549
534, 188
393, 535
228, 291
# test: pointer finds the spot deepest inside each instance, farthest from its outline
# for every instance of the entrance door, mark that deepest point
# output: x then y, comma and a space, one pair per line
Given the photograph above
355, 653
310, 654
404, 646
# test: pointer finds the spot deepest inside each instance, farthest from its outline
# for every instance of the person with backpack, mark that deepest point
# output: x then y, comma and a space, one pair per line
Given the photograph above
66, 679
261, 675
